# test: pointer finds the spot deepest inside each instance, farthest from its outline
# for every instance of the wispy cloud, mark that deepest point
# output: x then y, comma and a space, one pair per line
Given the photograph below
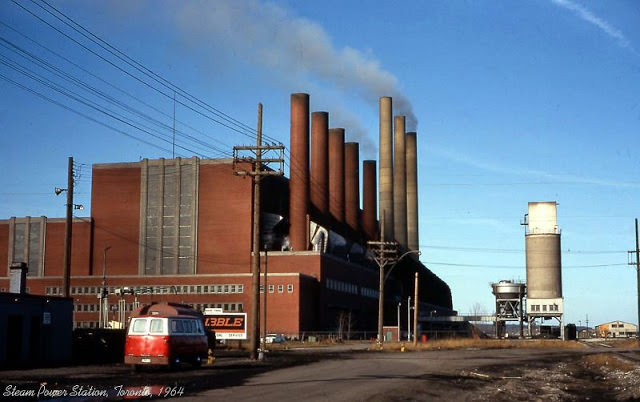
588, 16
537, 174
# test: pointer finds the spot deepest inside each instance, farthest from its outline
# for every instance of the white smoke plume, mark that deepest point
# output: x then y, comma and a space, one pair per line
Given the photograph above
269, 35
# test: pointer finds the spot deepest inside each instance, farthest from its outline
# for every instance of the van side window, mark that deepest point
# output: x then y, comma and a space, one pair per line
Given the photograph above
176, 326
156, 326
139, 326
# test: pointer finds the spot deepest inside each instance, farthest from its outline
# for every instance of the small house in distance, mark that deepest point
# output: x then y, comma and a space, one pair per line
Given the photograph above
616, 329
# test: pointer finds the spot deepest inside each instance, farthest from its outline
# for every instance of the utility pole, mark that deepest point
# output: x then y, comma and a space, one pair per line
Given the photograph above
637, 264
385, 252
260, 168
68, 231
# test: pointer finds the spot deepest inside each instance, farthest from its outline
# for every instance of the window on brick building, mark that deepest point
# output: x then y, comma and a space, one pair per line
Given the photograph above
280, 288
290, 288
168, 230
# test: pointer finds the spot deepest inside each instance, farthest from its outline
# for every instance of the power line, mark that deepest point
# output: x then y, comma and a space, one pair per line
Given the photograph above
449, 264
514, 251
115, 87
220, 117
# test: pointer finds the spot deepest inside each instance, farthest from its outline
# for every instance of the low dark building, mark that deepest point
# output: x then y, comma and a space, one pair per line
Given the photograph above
35, 330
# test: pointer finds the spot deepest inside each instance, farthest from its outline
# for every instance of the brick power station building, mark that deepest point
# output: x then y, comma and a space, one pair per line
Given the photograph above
180, 230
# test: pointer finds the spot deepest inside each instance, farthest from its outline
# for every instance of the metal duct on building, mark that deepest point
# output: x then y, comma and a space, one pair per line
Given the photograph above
369, 199
413, 241
299, 172
336, 173
352, 184
399, 182
319, 186
385, 213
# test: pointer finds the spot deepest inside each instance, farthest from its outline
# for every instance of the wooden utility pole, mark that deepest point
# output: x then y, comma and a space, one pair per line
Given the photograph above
260, 168
68, 231
385, 252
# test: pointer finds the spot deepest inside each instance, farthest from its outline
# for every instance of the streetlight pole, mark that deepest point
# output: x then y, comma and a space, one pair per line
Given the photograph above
104, 303
409, 319
399, 304
415, 312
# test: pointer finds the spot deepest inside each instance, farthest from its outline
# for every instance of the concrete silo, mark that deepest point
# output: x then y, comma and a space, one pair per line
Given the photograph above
544, 264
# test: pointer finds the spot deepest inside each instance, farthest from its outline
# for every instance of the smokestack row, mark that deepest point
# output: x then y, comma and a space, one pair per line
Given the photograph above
332, 184
398, 179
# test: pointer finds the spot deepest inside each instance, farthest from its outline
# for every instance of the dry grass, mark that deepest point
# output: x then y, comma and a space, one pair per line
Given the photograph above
626, 343
466, 343
607, 360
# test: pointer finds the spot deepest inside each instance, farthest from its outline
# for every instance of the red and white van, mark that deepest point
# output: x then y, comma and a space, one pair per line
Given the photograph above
165, 334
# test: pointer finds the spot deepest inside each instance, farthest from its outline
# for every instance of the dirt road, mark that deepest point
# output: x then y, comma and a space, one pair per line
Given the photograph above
352, 373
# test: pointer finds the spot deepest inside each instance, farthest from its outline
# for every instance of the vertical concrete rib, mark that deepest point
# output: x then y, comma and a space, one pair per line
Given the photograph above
369, 200
299, 172
386, 168
399, 181
413, 242
352, 184
319, 185
336, 173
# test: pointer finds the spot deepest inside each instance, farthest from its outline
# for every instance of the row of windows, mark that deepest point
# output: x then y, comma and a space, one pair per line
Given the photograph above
368, 292
545, 307
341, 286
345, 287
272, 288
226, 307
617, 325
27, 290
154, 289
232, 307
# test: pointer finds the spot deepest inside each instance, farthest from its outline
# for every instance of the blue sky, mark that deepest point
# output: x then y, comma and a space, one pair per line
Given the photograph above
513, 102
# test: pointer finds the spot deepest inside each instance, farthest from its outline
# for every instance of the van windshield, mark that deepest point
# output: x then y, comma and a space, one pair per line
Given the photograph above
139, 326
157, 326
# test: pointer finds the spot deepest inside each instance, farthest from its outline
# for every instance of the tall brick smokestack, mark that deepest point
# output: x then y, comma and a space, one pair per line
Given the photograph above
299, 172
336, 173
413, 242
319, 190
352, 184
386, 168
399, 181
369, 199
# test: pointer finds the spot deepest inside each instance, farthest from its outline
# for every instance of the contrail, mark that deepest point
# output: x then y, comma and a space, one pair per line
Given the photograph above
593, 19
